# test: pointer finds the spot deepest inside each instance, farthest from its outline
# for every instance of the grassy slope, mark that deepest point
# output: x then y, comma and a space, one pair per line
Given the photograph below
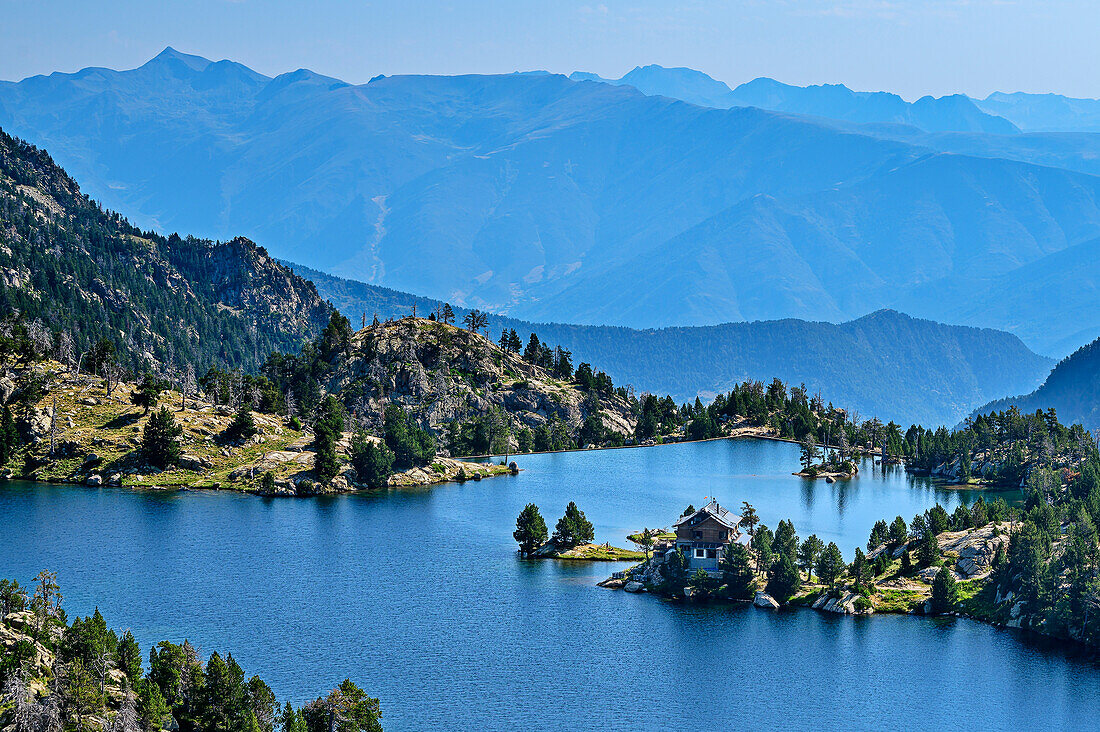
110, 427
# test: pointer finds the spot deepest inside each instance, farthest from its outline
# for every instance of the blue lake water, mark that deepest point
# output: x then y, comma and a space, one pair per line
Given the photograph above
419, 596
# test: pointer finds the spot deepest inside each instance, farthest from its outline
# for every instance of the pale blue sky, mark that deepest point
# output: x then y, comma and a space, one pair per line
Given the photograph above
912, 47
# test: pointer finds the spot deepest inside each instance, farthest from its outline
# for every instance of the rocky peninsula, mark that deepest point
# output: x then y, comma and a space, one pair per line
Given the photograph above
96, 436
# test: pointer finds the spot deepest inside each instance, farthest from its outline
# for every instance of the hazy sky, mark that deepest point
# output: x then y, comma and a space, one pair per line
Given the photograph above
912, 47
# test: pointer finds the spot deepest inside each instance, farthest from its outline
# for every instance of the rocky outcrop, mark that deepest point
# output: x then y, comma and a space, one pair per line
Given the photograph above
843, 604
442, 470
763, 599
442, 374
975, 548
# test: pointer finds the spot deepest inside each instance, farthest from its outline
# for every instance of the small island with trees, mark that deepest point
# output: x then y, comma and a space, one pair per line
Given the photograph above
571, 540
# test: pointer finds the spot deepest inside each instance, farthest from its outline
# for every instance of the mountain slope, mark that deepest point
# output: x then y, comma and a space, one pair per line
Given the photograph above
551, 199
1072, 388
915, 237
886, 364
89, 273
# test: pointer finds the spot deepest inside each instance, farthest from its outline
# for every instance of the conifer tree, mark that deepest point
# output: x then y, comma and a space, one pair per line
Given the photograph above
9, 436
808, 553
860, 569
326, 432
899, 533
147, 394
945, 592
373, 462
783, 578
880, 533
749, 518
737, 572
243, 425
530, 530
160, 445
573, 528
830, 565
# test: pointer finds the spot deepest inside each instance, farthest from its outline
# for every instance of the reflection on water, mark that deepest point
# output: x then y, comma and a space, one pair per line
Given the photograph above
419, 596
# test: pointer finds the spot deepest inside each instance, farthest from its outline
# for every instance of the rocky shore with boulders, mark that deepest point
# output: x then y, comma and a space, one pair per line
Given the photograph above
970, 556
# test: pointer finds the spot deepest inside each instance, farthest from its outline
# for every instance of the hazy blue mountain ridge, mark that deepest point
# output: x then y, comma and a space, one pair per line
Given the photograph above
955, 113
1072, 389
886, 363
581, 201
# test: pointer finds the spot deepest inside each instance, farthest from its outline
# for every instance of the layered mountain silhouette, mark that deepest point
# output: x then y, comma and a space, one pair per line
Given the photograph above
1072, 389
547, 198
954, 113
885, 364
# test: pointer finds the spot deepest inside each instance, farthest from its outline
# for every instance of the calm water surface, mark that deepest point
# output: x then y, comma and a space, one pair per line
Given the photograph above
419, 596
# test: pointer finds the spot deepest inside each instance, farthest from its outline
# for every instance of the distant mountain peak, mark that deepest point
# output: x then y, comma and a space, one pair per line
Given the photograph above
171, 56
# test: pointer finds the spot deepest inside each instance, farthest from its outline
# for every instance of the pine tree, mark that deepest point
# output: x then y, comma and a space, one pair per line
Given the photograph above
880, 533
928, 550
761, 543
533, 349
373, 462
9, 436
147, 394
326, 432
939, 520
530, 529
573, 528
830, 565
810, 452
899, 533
749, 518
129, 657
737, 572
808, 553
860, 569
785, 542
243, 425
160, 445
783, 579
945, 592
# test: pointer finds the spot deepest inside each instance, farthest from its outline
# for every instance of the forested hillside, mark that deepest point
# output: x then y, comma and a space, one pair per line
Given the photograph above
886, 363
1072, 389
84, 280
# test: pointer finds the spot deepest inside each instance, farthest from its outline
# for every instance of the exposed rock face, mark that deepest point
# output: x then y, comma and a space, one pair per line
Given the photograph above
442, 374
975, 548
7, 388
763, 599
845, 604
633, 587
39, 424
649, 573
191, 462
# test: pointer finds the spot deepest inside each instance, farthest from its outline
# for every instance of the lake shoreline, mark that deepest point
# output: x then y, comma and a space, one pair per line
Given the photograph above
802, 602
478, 471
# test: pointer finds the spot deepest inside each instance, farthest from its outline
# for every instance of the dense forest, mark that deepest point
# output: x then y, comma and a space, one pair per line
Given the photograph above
83, 276
57, 675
